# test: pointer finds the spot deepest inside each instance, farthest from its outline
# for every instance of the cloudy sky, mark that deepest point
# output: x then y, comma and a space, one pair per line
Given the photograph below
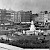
34, 5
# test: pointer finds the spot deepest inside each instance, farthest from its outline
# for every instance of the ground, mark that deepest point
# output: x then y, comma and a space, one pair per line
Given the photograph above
31, 41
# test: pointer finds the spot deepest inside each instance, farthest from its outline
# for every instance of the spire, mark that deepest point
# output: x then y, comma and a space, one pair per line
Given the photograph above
32, 23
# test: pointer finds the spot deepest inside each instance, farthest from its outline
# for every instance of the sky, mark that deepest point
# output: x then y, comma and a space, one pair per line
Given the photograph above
34, 5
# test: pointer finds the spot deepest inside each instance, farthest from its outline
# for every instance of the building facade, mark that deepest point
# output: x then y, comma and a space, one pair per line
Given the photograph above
42, 17
24, 16
13, 16
8, 15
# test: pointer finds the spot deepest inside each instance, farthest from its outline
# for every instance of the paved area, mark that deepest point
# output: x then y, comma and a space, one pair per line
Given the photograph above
8, 47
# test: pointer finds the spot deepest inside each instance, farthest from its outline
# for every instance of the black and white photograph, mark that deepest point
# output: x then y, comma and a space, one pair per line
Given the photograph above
24, 24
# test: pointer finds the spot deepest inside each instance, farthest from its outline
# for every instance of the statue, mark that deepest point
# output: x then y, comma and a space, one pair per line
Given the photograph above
32, 28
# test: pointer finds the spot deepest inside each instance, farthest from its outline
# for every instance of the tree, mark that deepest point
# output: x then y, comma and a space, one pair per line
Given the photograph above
46, 12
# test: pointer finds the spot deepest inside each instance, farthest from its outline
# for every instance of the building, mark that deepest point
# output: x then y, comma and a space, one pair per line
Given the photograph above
49, 17
7, 16
16, 17
42, 17
34, 16
13, 16
2, 15
24, 16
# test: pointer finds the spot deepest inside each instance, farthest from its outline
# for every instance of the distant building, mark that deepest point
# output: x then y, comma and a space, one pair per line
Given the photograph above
34, 16
24, 16
48, 17
2, 15
13, 16
43, 17
40, 17
7, 15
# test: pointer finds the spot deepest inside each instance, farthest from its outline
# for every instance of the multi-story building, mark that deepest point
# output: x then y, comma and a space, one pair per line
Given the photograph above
13, 16
34, 16
2, 15
49, 17
42, 17
7, 15
24, 16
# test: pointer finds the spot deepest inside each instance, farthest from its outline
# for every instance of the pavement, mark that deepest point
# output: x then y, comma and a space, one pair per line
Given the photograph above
8, 47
